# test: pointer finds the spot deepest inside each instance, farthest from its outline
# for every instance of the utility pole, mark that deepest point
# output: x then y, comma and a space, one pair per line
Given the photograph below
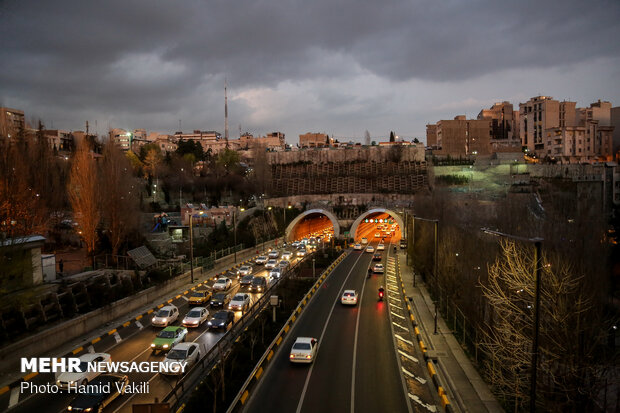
226, 112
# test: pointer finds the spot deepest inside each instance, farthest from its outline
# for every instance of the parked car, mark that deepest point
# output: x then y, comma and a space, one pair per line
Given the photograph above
183, 352
349, 297
403, 244
66, 379
304, 350
260, 260
222, 284
240, 302
245, 270
259, 285
199, 297
96, 398
195, 317
222, 319
165, 316
220, 300
168, 337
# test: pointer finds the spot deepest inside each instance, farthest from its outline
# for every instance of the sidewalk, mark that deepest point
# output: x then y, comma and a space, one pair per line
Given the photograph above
466, 389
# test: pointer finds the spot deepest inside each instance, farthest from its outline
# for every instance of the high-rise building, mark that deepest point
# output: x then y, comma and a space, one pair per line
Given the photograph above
614, 119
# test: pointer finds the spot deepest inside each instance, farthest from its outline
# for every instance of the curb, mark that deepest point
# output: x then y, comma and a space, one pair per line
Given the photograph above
441, 392
261, 366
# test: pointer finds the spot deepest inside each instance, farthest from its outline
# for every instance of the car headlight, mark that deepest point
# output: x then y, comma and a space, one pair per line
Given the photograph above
209, 323
164, 320
69, 408
165, 346
88, 409
152, 344
153, 320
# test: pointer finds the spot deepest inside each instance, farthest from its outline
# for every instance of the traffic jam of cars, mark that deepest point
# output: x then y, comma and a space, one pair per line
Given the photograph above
211, 309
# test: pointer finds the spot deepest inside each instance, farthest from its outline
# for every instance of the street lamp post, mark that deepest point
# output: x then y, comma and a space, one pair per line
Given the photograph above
191, 247
537, 274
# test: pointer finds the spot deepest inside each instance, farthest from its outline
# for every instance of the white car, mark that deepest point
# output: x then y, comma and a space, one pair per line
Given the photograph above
304, 350
274, 254
364, 241
349, 297
275, 273
287, 255
283, 264
370, 248
183, 352
240, 302
165, 316
245, 270
66, 379
260, 260
380, 247
357, 247
195, 317
271, 264
377, 235
301, 252
222, 284
378, 268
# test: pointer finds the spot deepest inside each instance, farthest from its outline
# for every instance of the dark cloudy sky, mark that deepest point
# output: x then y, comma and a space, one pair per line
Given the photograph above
340, 67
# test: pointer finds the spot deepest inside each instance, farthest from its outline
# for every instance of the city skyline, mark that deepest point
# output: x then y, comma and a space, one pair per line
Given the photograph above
339, 68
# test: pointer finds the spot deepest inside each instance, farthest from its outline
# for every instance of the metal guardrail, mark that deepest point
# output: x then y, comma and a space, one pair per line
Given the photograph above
181, 391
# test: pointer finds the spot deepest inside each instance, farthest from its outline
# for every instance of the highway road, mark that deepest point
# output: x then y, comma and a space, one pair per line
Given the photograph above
359, 365
133, 344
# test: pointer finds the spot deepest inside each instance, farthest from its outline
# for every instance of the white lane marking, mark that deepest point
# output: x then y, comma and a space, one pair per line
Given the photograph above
420, 379
139, 325
14, 398
403, 339
395, 299
397, 315
185, 298
91, 349
429, 407
398, 325
357, 324
303, 392
117, 337
402, 353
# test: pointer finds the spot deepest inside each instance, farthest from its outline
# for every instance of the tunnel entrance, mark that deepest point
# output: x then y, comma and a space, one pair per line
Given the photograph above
313, 223
378, 225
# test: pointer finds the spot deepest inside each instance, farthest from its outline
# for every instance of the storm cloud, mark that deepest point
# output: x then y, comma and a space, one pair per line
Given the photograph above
340, 67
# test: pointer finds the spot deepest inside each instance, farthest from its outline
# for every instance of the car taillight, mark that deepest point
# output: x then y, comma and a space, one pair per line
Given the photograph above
308, 356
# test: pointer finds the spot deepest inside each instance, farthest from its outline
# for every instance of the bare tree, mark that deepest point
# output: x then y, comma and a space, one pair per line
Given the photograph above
569, 335
120, 203
84, 195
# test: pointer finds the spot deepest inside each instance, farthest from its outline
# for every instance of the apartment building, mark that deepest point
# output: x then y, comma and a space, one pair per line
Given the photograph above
504, 127
122, 138
463, 137
314, 140
562, 132
12, 121
273, 141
